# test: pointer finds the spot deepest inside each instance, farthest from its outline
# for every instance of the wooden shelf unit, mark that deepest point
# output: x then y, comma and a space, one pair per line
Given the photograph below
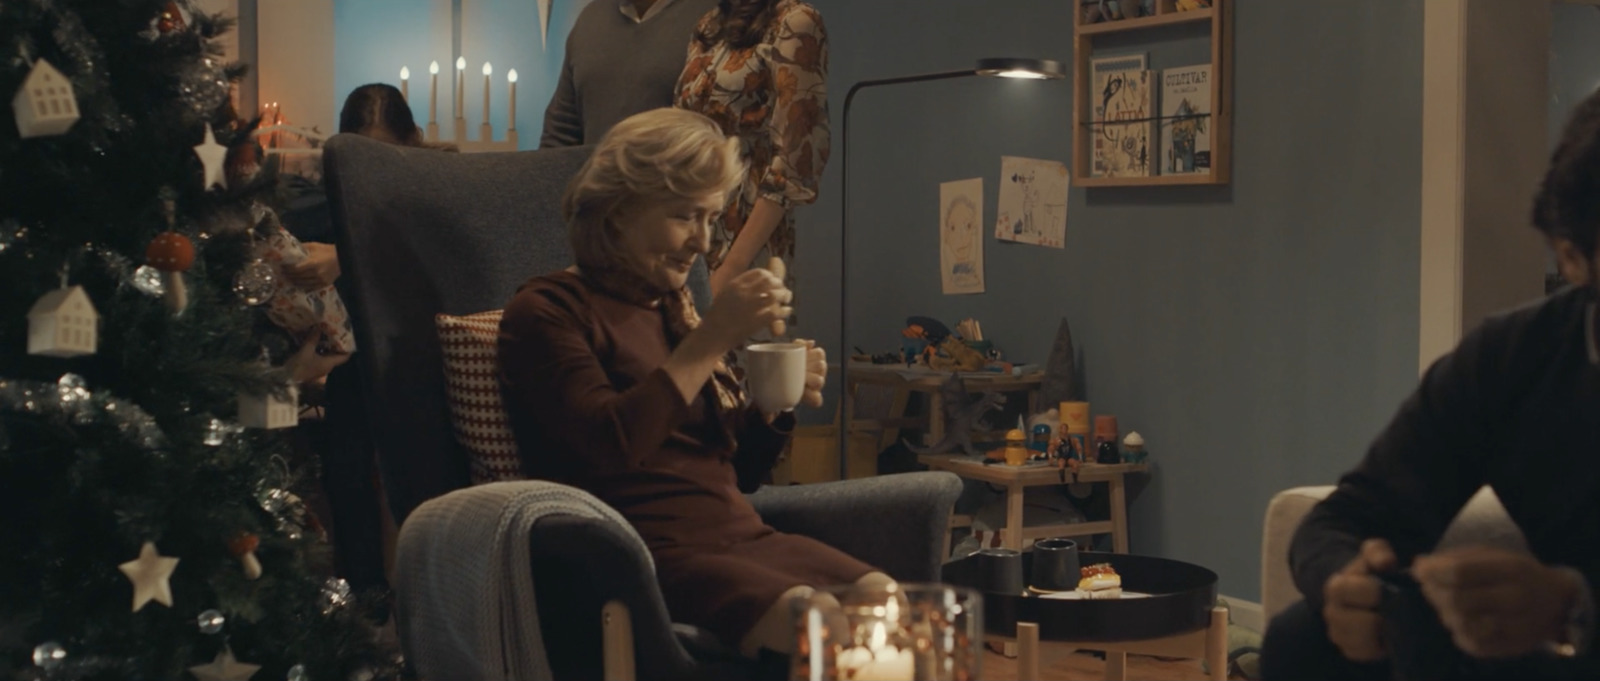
1219, 16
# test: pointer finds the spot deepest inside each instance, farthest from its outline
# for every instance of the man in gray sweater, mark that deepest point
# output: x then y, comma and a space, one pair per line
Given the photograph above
623, 57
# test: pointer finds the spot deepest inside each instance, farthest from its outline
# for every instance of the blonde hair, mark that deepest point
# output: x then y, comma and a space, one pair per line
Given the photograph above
659, 155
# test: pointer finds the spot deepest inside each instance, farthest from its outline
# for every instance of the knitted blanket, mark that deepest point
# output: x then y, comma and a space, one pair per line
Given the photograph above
466, 605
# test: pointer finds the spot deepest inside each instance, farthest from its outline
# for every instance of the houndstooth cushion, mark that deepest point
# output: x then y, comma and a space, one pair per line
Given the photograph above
472, 383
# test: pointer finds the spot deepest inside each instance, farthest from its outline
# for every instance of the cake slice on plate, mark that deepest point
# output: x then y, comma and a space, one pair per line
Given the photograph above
1099, 581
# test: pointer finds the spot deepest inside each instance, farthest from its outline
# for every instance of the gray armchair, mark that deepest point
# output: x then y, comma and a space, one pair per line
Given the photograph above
422, 232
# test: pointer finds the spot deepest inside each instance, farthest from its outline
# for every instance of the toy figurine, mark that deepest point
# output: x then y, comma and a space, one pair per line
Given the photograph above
1016, 451
961, 356
1133, 448
1040, 442
961, 416
914, 340
1093, 12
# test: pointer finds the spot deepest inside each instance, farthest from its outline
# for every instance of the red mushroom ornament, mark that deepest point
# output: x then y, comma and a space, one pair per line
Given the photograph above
172, 253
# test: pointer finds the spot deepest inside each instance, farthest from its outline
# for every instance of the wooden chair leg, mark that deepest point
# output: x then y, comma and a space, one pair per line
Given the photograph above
1116, 666
1027, 650
616, 635
1217, 644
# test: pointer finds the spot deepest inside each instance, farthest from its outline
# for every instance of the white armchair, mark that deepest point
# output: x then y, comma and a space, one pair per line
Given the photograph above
1482, 520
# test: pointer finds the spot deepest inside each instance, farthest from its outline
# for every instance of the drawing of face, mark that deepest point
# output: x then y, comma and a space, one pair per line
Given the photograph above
961, 228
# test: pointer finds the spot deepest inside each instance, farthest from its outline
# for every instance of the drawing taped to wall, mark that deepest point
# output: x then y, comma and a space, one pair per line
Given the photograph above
960, 236
1033, 202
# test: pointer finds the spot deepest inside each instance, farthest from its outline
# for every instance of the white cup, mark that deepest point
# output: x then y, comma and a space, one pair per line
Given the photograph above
776, 375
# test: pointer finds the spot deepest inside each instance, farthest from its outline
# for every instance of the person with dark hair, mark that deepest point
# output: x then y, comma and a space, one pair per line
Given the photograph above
759, 68
349, 467
375, 110
623, 57
1516, 407
379, 111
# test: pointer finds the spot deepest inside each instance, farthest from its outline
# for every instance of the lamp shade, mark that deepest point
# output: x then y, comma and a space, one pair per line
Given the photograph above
1013, 67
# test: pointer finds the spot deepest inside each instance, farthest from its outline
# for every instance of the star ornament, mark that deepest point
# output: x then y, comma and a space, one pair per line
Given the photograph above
224, 668
149, 574
214, 156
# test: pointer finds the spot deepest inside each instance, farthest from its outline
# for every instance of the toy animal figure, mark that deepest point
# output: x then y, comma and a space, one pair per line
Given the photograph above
961, 417
961, 356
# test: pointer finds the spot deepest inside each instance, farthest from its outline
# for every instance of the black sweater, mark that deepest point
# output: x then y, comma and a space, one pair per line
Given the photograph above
1516, 406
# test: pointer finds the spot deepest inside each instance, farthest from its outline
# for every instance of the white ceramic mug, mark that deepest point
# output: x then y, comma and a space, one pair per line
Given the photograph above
776, 375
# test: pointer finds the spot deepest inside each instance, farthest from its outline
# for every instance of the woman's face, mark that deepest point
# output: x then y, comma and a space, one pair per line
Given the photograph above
660, 239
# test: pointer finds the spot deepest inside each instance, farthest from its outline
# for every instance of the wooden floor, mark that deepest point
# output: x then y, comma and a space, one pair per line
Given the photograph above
1056, 663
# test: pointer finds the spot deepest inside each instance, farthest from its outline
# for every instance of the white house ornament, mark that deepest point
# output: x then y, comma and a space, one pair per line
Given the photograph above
45, 104
224, 668
63, 323
269, 410
150, 574
214, 156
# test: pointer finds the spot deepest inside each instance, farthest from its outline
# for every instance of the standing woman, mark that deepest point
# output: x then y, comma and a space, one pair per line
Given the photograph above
759, 69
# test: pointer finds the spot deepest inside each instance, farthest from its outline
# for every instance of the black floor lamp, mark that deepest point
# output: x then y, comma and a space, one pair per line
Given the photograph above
1038, 69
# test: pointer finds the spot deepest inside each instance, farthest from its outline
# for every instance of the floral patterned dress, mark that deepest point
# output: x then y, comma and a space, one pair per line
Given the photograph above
773, 97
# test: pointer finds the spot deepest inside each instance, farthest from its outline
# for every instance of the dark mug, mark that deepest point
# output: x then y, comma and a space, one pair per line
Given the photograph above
1055, 564
1000, 571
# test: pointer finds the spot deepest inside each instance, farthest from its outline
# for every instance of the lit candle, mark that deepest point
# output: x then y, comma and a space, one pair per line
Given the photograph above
487, 69
433, 91
512, 76
882, 664
877, 661
461, 87
405, 83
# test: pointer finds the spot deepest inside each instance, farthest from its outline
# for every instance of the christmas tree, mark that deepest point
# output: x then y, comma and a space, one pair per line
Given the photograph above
152, 527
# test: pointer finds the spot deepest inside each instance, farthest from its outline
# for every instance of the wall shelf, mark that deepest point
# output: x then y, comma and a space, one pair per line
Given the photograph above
1156, 181
1167, 19
1218, 18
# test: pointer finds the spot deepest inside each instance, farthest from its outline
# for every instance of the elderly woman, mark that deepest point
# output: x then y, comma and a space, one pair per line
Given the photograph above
615, 385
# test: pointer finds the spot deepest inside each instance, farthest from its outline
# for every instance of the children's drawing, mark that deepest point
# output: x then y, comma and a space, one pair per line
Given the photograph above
960, 237
1033, 202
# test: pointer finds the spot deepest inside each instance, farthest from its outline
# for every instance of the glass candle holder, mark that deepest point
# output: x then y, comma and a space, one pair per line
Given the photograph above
901, 632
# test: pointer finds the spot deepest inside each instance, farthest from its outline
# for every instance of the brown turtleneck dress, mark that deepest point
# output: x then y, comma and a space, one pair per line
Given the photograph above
591, 407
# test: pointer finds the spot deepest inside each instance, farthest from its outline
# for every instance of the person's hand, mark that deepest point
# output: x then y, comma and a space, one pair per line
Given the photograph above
318, 271
816, 374
1350, 602
1497, 603
750, 302
307, 365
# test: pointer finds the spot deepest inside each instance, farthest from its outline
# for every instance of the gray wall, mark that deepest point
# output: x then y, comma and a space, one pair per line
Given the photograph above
1574, 61
1257, 335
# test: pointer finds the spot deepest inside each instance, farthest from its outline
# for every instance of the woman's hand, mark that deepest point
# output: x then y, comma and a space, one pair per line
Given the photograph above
816, 374
318, 271
748, 303
306, 365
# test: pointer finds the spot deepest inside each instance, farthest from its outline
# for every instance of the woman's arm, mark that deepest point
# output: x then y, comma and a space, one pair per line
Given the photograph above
798, 128
757, 230
552, 376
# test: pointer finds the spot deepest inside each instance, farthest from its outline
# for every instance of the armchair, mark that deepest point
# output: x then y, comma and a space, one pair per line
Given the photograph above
422, 232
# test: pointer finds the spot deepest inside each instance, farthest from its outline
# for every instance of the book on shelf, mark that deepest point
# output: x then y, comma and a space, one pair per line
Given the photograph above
1122, 92
1186, 120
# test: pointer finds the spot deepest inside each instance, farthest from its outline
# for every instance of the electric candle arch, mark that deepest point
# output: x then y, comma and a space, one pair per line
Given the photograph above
486, 140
